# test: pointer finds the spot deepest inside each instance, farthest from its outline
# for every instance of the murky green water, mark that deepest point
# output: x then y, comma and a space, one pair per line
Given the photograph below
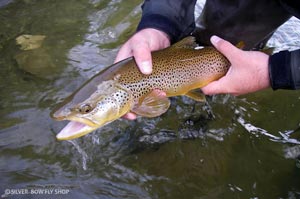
244, 147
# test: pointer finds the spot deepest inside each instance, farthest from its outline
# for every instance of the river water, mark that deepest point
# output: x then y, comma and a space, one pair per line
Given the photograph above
231, 147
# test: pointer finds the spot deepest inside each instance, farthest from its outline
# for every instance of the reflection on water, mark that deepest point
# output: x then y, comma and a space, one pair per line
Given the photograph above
230, 147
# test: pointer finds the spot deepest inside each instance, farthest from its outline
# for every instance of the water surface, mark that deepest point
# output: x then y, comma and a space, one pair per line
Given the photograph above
231, 147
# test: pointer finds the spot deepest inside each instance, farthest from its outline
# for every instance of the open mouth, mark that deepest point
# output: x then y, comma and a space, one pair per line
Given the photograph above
74, 130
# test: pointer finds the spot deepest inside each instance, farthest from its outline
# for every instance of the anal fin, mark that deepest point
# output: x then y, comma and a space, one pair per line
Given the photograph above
196, 95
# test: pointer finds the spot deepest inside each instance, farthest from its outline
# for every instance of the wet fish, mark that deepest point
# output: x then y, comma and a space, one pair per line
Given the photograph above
177, 70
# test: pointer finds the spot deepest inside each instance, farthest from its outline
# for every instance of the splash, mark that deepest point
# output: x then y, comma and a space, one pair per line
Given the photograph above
284, 137
81, 152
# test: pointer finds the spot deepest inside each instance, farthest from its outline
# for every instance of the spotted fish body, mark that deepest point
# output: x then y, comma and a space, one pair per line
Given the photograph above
121, 88
176, 71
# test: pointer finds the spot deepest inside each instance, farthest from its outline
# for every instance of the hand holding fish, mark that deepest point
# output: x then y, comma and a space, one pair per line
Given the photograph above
121, 88
248, 72
140, 46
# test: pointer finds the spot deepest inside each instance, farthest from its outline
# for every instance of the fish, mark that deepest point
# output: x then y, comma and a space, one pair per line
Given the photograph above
178, 70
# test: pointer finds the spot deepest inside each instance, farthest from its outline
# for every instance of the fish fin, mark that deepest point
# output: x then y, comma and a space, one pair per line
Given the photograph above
153, 105
187, 42
268, 50
196, 95
240, 45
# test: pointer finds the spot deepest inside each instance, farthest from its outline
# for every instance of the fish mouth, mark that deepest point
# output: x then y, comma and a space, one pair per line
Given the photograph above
74, 130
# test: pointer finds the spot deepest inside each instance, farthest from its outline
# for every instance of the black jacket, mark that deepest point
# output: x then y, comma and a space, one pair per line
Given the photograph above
251, 21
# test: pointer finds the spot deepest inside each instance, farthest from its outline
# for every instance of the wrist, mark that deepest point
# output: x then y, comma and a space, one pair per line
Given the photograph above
157, 38
160, 23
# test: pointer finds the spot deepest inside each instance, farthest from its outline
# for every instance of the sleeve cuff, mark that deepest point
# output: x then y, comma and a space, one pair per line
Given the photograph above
280, 71
161, 23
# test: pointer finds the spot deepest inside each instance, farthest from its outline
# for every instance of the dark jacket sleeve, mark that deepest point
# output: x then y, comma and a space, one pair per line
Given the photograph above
284, 67
174, 17
284, 70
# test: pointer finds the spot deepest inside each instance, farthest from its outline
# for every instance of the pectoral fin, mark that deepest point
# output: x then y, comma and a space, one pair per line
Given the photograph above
153, 105
196, 95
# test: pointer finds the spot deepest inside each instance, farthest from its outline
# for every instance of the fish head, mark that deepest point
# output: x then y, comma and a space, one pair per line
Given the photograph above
109, 102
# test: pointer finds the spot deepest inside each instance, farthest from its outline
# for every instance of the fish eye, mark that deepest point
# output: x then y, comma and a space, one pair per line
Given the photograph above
85, 108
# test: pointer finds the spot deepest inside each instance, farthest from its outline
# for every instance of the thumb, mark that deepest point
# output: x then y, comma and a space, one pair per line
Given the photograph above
225, 47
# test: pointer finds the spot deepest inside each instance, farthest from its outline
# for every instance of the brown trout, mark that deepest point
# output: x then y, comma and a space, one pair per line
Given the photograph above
121, 88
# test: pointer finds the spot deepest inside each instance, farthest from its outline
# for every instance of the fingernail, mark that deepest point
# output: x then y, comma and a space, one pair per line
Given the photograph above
146, 67
215, 39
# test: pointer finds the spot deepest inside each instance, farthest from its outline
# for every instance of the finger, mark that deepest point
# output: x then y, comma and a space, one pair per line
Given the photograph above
143, 58
129, 116
216, 87
225, 47
123, 53
159, 93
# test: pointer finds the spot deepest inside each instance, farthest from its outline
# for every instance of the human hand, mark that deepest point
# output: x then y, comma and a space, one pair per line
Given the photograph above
248, 72
140, 46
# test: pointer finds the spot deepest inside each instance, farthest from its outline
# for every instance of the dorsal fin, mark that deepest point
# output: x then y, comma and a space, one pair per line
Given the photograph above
187, 42
268, 50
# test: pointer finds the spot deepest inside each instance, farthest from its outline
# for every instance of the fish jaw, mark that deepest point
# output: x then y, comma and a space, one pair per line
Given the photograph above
66, 114
109, 102
74, 130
